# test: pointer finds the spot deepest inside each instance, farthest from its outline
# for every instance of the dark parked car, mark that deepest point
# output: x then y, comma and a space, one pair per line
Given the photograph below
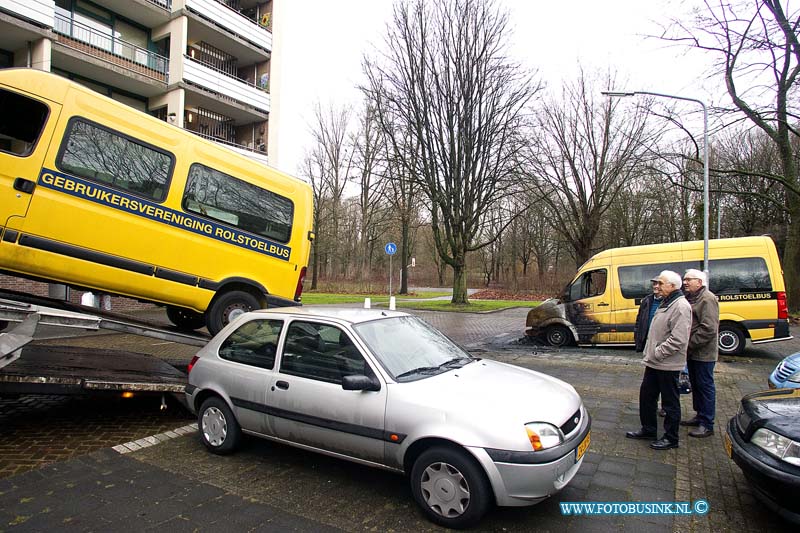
764, 440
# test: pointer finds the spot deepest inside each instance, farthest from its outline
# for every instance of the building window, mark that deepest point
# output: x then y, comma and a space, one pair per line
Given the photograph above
6, 59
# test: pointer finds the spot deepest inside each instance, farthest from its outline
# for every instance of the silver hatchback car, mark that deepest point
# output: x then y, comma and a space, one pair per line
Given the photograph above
385, 389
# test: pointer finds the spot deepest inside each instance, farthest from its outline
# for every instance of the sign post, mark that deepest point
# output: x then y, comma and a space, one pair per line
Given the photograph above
391, 249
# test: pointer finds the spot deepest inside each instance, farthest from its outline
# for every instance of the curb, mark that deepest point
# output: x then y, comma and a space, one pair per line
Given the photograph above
154, 439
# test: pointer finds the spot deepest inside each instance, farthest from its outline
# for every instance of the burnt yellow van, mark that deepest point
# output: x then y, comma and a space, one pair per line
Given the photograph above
100, 196
599, 307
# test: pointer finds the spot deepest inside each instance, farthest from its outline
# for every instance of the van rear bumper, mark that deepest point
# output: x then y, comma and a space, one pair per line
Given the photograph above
781, 333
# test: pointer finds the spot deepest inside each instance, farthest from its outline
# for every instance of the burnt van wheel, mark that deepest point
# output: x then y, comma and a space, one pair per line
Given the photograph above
558, 336
227, 307
731, 339
185, 318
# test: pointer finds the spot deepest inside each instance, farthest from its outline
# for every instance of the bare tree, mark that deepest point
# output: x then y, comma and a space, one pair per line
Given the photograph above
335, 153
402, 156
756, 46
368, 145
583, 150
314, 169
444, 79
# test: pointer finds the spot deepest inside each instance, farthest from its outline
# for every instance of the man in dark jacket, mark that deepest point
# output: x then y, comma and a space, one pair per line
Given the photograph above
702, 352
647, 309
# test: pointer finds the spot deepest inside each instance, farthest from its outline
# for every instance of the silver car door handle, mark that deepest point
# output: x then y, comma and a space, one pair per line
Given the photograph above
281, 385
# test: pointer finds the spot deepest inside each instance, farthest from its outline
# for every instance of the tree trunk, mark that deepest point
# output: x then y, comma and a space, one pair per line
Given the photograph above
315, 266
460, 280
405, 257
791, 255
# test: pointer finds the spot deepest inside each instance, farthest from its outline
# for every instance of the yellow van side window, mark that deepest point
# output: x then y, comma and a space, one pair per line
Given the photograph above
102, 155
22, 123
218, 196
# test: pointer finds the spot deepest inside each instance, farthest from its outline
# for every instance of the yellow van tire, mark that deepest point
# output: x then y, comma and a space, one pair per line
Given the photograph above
558, 335
227, 306
185, 318
731, 339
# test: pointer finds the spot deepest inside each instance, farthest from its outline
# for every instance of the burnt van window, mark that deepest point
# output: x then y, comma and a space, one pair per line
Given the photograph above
22, 123
105, 156
592, 283
238, 203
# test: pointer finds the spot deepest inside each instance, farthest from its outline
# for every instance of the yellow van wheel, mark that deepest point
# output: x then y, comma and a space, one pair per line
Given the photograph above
227, 306
731, 339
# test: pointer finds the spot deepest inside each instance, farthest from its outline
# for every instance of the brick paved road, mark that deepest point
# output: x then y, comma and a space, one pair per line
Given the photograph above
268, 484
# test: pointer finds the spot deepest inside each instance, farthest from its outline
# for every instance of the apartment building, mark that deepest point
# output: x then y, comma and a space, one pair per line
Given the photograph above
203, 65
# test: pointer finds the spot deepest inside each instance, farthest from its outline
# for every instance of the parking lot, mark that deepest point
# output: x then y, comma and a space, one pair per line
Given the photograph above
58, 467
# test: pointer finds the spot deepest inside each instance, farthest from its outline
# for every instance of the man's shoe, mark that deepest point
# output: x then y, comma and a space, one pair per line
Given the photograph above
663, 444
701, 432
662, 412
641, 435
692, 422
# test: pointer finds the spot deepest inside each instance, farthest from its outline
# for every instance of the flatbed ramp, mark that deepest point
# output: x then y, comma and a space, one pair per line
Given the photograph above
44, 369
47, 369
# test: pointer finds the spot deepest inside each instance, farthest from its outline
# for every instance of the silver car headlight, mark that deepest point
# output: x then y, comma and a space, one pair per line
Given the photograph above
543, 435
777, 445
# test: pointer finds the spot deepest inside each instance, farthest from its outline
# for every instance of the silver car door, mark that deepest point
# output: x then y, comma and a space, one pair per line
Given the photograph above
312, 408
249, 355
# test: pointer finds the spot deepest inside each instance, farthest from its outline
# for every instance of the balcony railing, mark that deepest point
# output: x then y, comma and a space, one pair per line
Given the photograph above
166, 4
221, 83
110, 48
250, 151
38, 11
233, 21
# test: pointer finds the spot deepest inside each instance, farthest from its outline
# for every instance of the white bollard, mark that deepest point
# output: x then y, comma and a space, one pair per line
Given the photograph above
391, 303
367, 303
88, 299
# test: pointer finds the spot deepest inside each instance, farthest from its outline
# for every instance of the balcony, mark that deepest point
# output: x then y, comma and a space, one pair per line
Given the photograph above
252, 153
38, 11
232, 21
225, 85
108, 48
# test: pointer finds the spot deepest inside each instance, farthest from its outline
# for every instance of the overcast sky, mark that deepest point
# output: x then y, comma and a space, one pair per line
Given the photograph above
324, 43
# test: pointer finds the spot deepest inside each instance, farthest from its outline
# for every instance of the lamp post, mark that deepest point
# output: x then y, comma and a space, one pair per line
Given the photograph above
705, 156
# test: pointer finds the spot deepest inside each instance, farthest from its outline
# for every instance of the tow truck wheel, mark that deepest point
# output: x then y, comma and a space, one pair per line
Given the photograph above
227, 307
557, 335
185, 318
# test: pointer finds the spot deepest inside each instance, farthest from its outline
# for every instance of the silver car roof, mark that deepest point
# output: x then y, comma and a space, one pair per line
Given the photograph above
353, 315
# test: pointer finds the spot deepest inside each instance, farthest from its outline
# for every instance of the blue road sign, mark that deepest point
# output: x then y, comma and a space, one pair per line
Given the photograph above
391, 248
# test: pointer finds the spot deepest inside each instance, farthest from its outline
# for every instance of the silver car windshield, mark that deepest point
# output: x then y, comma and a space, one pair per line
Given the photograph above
409, 349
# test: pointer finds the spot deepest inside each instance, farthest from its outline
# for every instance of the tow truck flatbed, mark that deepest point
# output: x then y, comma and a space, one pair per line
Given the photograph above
27, 368
43, 369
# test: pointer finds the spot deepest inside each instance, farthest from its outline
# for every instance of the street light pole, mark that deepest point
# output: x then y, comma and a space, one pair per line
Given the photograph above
705, 155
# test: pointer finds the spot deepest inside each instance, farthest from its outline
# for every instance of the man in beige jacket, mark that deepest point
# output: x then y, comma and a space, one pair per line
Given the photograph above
664, 358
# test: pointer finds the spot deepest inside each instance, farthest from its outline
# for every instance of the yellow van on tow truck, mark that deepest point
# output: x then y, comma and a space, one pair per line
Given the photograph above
98, 195
599, 307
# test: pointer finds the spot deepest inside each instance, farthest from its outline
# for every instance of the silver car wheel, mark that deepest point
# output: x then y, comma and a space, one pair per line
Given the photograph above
215, 426
445, 489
